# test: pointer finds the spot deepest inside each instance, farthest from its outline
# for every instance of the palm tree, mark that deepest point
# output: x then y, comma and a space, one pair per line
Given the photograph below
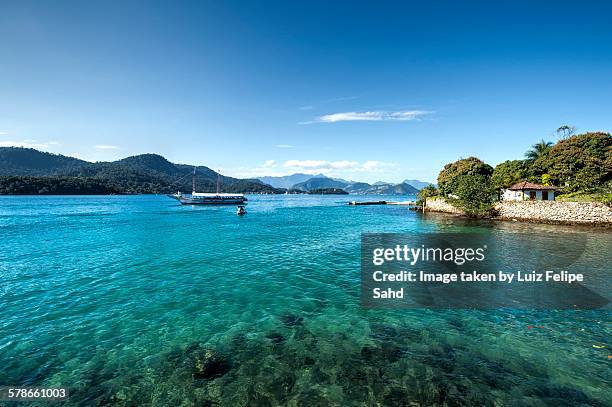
566, 131
538, 150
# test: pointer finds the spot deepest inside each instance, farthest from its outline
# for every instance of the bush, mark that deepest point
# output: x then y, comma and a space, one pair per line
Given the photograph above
448, 177
474, 195
580, 163
509, 173
428, 192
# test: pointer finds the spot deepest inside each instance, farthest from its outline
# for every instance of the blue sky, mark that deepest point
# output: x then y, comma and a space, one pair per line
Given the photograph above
361, 90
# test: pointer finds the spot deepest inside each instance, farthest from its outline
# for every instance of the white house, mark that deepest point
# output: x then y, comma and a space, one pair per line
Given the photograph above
526, 191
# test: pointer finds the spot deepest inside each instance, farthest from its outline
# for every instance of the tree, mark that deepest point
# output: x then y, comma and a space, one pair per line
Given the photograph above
447, 179
427, 192
538, 150
580, 163
566, 131
509, 173
475, 194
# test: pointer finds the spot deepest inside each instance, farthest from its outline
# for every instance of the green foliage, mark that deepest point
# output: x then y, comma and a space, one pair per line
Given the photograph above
602, 193
142, 174
578, 163
475, 194
509, 173
448, 177
26, 185
428, 192
538, 150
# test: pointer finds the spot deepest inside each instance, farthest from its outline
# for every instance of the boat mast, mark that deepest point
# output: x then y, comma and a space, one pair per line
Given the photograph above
218, 181
193, 181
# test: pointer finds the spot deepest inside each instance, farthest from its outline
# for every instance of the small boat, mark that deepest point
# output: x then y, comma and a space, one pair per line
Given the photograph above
201, 198
241, 210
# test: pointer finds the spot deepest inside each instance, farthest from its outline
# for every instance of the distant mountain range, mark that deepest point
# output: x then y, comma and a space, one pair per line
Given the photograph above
29, 171
319, 182
416, 183
287, 181
361, 188
147, 173
307, 183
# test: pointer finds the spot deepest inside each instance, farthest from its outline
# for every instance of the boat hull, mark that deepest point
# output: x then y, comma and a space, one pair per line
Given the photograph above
212, 201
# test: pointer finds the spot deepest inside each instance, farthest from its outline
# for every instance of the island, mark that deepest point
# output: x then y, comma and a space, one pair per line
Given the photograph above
328, 191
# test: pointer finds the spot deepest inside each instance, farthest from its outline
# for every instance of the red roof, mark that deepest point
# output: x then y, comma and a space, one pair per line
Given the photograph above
528, 185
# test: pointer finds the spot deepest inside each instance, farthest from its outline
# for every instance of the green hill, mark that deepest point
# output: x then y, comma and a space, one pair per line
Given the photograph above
319, 183
145, 173
379, 188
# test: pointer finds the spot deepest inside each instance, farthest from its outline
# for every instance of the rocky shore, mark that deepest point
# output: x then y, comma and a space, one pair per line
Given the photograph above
555, 212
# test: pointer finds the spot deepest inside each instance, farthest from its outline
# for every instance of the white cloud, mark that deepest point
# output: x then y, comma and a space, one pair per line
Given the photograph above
284, 146
369, 171
27, 144
379, 115
334, 166
3, 133
106, 147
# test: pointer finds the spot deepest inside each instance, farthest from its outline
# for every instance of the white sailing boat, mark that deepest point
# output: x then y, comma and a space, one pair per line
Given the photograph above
207, 198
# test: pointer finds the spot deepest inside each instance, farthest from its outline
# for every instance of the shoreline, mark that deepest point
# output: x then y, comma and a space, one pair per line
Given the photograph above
543, 212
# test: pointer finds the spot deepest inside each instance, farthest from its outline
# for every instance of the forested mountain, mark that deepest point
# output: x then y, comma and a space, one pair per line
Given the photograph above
362, 188
416, 183
27, 161
146, 173
288, 181
319, 183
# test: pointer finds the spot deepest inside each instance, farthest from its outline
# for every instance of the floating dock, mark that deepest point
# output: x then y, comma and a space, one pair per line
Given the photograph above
368, 203
408, 203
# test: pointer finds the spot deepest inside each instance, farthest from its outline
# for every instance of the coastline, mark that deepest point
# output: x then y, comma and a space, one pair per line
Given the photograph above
546, 212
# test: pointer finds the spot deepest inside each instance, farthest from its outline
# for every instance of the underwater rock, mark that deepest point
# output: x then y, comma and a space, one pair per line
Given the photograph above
311, 397
564, 396
386, 352
442, 357
275, 338
308, 361
291, 320
383, 331
206, 363
399, 397
368, 352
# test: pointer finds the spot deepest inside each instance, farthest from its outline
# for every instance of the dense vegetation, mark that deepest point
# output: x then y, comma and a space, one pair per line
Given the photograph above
580, 166
142, 174
27, 185
449, 176
474, 194
429, 191
577, 163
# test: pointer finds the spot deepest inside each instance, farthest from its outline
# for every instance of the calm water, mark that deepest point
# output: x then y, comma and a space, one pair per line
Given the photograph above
122, 299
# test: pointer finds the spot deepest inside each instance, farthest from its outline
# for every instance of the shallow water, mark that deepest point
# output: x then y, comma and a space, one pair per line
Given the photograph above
137, 300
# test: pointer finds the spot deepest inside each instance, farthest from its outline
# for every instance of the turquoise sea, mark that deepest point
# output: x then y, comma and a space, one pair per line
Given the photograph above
136, 300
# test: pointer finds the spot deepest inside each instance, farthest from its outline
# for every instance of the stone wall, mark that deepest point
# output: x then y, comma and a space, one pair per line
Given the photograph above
440, 205
555, 212
589, 213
